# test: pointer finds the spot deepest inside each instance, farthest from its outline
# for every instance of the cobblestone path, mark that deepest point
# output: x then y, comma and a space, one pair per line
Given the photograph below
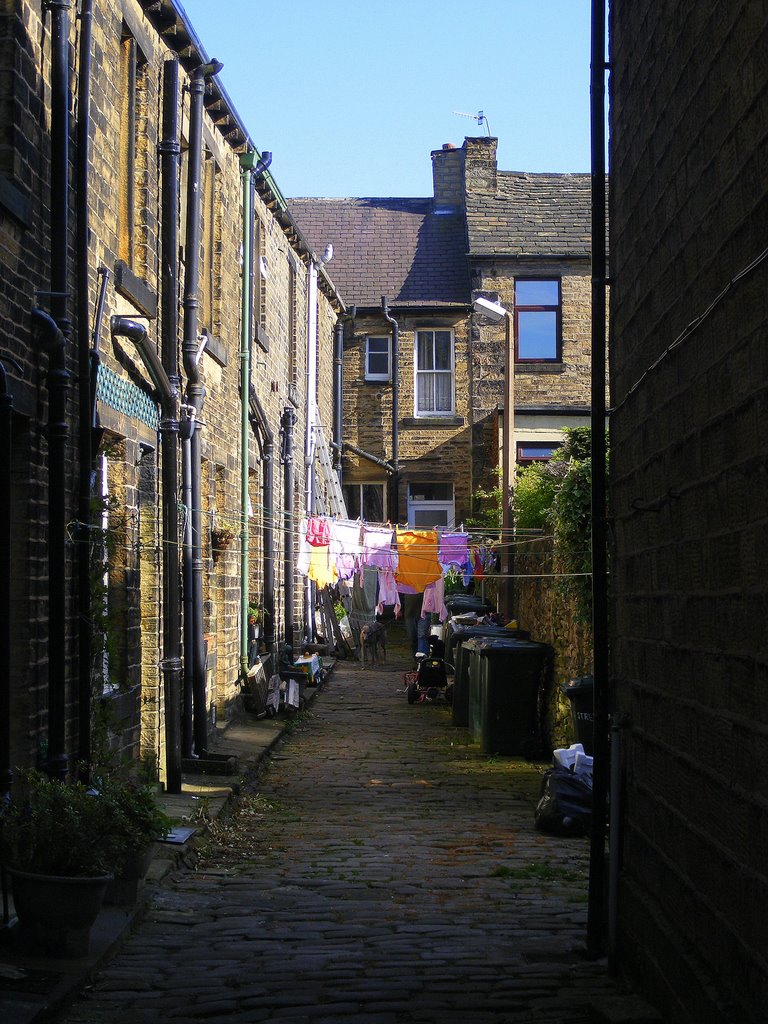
380, 871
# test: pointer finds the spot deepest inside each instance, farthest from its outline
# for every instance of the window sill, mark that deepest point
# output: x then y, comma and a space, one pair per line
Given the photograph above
262, 338
377, 380
539, 368
215, 349
15, 200
433, 422
133, 288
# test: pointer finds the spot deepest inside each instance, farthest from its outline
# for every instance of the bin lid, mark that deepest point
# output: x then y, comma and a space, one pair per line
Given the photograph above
578, 685
491, 645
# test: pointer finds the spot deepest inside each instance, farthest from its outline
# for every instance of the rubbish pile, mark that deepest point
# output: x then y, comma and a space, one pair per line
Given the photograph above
565, 802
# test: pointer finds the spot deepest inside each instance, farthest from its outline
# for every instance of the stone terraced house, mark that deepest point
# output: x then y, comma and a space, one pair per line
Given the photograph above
145, 251
521, 240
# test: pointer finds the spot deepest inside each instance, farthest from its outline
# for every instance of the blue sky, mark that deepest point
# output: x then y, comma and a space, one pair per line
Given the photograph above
351, 96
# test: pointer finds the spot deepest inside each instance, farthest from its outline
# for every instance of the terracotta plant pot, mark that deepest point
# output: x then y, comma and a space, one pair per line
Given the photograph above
56, 914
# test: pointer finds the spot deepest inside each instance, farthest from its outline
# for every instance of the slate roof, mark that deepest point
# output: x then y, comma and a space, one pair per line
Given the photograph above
400, 248
531, 215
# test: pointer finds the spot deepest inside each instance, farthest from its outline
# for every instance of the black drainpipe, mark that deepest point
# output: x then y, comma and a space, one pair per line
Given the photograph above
338, 389
6, 455
86, 386
266, 441
57, 330
194, 657
596, 913
170, 150
289, 529
394, 510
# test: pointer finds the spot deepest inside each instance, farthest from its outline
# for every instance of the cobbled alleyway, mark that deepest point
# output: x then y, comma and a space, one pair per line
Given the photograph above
378, 871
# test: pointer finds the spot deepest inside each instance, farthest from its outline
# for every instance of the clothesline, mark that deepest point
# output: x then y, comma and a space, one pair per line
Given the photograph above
406, 560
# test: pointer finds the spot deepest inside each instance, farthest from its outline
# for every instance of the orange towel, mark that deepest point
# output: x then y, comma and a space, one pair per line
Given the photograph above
417, 558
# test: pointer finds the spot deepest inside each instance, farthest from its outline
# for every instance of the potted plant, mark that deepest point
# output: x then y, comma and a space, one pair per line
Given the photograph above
59, 844
62, 844
223, 532
139, 822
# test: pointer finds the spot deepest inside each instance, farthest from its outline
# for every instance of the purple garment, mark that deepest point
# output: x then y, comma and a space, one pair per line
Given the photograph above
378, 552
452, 550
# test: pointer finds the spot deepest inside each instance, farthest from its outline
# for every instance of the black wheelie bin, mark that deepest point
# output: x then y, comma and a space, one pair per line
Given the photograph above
505, 679
456, 636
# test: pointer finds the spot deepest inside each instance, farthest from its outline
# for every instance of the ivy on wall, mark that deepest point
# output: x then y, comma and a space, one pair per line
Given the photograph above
556, 496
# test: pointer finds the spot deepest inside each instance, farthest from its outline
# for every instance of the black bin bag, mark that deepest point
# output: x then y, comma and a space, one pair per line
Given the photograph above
565, 804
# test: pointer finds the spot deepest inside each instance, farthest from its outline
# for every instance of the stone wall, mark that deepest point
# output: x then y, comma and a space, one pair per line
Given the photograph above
689, 497
434, 448
126, 407
550, 618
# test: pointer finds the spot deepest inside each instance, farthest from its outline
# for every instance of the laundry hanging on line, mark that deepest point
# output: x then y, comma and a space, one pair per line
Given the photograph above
408, 561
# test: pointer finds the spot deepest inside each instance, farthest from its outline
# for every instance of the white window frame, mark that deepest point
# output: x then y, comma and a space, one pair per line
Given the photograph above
433, 413
378, 376
449, 507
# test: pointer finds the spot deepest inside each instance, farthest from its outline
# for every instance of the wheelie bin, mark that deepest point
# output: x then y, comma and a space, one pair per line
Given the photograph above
580, 692
456, 636
505, 678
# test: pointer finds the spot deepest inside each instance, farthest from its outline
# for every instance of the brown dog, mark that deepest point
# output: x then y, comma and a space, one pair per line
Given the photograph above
373, 639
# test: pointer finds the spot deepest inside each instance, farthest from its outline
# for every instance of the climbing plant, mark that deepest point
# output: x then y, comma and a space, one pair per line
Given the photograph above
556, 496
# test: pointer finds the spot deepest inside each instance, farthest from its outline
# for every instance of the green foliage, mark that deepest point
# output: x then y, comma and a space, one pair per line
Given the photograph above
486, 508
58, 828
454, 582
534, 496
572, 521
556, 496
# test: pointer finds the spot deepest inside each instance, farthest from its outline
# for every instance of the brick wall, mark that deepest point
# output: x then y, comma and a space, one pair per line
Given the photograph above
134, 291
430, 448
689, 212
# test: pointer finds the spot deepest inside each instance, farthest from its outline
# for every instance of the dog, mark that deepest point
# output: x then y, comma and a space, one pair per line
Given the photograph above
373, 643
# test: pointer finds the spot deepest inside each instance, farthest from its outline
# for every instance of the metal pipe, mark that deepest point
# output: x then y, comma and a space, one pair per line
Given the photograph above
260, 423
171, 666
57, 764
618, 724
338, 388
246, 165
194, 657
287, 423
6, 456
309, 431
86, 389
186, 429
602, 701
394, 512
348, 447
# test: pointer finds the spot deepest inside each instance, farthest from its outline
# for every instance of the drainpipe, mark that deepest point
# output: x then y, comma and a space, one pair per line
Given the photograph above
170, 150
246, 165
186, 429
57, 765
288, 421
6, 456
395, 503
266, 440
86, 387
56, 330
338, 388
192, 353
597, 868
251, 169
309, 429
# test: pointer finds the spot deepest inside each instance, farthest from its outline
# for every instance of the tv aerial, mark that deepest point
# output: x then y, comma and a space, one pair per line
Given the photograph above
479, 117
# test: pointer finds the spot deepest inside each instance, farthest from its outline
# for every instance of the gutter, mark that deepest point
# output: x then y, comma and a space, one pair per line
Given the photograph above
596, 911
